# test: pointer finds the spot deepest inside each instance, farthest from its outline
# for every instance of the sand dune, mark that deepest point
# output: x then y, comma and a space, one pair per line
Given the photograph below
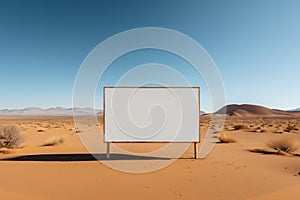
254, 110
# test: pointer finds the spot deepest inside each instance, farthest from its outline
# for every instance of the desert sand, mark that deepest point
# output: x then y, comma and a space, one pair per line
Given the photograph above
245, 169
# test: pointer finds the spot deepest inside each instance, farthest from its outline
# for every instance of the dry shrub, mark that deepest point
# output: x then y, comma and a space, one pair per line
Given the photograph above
10, 137
283, 145
229, 128
4, 151
278, 131
239, 127
223, 138
100, 120
54, 141
75, 130
257, 129
290, 128
260, 130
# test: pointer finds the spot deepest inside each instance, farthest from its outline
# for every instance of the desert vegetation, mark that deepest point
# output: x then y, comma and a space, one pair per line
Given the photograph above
10, 137
54, 141
283, 145
223, 138
277, 125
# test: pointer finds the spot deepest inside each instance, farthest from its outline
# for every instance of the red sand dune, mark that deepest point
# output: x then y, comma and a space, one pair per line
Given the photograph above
253, 110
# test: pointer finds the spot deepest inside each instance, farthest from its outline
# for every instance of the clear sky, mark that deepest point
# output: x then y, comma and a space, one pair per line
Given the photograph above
254, 43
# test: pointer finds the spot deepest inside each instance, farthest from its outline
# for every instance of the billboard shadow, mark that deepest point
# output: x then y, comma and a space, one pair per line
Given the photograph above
79, 157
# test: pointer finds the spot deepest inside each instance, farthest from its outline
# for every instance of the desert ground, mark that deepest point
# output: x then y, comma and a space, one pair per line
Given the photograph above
247, 167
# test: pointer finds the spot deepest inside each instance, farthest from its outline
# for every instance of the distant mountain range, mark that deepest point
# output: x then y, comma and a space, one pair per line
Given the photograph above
39, 112
254, 110
231, 110
297, 110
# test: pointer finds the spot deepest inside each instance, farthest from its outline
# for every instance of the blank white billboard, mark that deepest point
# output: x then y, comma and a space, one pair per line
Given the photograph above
151, 114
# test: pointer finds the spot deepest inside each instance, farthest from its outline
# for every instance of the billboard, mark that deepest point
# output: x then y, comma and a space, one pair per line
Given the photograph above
151, 114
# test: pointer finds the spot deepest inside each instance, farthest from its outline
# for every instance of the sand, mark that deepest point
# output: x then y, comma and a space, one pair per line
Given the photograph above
230, 171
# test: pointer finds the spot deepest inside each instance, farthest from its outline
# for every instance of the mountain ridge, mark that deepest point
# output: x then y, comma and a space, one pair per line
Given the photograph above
295, 110
48, 112
231, 110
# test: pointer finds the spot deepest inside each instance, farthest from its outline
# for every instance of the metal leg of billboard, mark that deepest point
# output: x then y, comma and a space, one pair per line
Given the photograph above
107, 150
196, 150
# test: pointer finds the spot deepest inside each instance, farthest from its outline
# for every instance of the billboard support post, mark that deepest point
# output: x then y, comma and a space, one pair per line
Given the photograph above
108, 150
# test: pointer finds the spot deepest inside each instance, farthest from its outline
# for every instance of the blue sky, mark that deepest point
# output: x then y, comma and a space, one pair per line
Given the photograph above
255, 44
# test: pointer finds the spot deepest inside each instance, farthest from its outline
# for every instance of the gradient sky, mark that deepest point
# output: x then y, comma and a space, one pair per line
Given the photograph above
254, 43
